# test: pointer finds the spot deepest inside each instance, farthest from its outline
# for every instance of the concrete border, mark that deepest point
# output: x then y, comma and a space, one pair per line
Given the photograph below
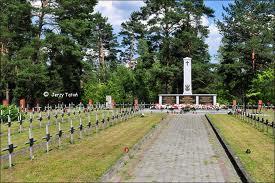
238, 166
122, 161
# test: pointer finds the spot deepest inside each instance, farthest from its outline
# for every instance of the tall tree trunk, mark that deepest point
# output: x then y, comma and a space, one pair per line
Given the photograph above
101, 59
166, 38
253, 59
44, 4
132, 48
3, 50
7, 93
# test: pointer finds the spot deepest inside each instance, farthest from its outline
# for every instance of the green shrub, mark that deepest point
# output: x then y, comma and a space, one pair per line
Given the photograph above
5, 112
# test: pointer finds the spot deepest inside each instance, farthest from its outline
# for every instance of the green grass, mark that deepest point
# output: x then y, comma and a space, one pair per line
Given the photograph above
86, 160
241, 136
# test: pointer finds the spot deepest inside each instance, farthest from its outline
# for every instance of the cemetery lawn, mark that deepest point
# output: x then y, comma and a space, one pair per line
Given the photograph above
241, 136
86, 160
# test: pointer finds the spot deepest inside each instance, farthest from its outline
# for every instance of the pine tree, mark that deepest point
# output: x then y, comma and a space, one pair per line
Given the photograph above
132, 31
247, 44
105, 47
173, 30
66, 44
15, 32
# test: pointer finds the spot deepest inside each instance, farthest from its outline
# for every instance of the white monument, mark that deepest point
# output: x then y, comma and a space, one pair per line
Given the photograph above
188, 97
109, 102
187, 76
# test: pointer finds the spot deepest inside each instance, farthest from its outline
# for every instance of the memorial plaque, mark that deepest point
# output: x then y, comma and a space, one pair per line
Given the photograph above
187, 99
168, 99
206, 100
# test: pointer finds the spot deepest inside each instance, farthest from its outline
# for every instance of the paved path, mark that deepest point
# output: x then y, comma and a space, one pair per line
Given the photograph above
185, 150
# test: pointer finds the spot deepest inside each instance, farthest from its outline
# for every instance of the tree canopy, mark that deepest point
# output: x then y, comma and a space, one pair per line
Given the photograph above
247, 49
66, 46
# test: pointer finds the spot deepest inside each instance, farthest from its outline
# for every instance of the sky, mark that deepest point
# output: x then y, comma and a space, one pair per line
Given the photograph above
119, 11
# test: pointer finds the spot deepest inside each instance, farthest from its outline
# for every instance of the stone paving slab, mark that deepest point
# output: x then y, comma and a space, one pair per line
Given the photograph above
186, 150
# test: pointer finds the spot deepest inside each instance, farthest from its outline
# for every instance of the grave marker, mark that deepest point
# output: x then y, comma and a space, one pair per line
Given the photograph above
113, 118
2, 116
72, 131
97, 122
126, 114
38, 108
40, 119
79, 107
47, 137
103, 120
56, 116
62, 116
10, 147
20, 122
266, 123
31, 143
60, 132
48, 117
80, 127
121, 115
89, 125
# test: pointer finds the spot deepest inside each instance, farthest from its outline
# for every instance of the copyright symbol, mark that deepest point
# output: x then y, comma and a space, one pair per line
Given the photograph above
46, 94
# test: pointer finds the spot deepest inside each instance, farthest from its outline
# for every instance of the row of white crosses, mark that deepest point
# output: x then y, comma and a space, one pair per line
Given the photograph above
57, 110
40, 118
106, 120
251, 118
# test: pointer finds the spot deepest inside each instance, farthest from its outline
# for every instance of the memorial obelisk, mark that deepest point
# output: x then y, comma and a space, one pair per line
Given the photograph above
187, 98
187, 76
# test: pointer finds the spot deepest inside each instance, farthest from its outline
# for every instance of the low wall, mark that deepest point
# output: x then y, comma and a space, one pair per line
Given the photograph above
193, 99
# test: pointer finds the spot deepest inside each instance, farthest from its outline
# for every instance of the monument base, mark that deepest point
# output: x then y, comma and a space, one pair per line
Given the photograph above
192, 99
